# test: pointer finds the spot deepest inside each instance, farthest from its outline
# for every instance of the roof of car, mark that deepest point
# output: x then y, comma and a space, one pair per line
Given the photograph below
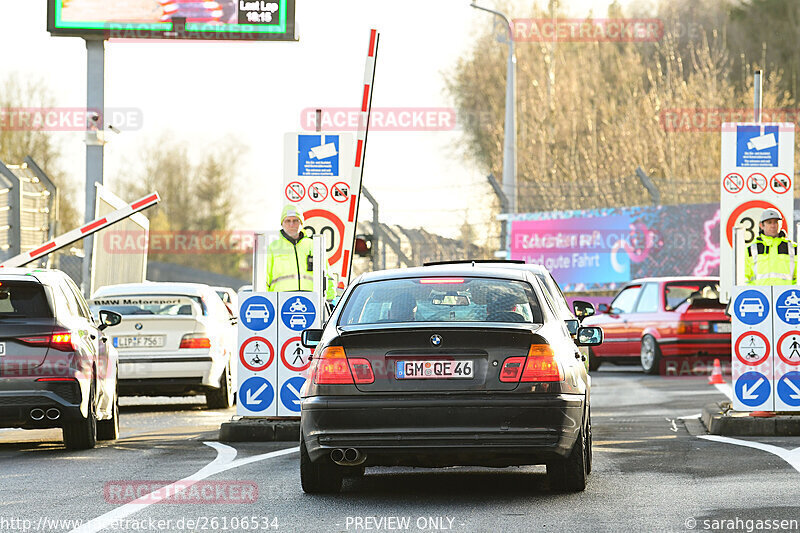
153, 287
39, 274
673, 278
443, 271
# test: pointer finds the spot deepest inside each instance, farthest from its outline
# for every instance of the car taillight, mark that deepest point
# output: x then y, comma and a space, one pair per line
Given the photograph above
694, 327
61, 341
362, 370
540, 365
332, 367
194, 340
512, 369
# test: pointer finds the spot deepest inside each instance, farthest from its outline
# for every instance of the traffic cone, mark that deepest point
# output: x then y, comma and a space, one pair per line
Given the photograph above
716, 375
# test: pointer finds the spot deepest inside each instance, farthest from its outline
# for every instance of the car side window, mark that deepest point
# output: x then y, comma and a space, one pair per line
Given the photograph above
83, 309
625, 300
648, 301
62, 306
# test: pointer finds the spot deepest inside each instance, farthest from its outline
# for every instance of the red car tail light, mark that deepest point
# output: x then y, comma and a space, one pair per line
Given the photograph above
362, 371
694, 327
55, 379
61, 340
332, 367
512, 369
541, 364
193, 340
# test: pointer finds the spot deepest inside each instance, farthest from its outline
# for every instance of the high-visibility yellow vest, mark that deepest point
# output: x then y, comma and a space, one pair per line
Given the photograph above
289, 265
771, 261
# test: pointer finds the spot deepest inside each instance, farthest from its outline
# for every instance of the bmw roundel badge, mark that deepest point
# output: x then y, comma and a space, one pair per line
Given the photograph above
436, 340
138, 325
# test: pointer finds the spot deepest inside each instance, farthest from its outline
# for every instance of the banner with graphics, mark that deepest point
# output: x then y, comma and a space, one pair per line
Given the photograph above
603, 248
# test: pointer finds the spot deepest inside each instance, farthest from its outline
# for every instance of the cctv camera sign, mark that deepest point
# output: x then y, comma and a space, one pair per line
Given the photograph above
757, 173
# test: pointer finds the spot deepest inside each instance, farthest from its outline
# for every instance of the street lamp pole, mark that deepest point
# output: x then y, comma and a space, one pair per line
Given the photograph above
510, 127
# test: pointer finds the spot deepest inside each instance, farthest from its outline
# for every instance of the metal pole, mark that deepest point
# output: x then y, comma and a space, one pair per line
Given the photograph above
510, 127
757, 97
260, 263
95, 90
738, 256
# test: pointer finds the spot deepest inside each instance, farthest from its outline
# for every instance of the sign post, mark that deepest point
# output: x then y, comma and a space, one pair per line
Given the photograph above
757, 169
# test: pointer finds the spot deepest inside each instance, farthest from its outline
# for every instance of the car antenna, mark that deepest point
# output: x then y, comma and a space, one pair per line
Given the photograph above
473, 264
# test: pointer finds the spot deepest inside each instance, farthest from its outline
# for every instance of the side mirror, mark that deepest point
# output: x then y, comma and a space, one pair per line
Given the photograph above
603, 308
572, 326
310, 337
582, 309
108, 318
589, 336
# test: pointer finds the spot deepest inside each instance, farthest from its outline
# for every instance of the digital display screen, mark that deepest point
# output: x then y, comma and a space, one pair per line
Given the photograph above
270, 20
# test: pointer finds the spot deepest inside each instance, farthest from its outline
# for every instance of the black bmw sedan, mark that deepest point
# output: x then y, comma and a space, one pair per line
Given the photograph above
439, 367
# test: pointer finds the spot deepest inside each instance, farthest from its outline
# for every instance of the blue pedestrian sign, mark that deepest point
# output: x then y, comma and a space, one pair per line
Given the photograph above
789, 389
318, 155
290, 393
751, 307
256, 394
257, 313
753, 389
298, 313
756, 146
787, 307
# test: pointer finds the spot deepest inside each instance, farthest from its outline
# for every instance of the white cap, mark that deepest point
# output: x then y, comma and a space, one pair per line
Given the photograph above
769, 214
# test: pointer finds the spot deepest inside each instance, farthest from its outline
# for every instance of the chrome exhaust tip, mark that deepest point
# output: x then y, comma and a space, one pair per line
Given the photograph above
337, 456
53, 414
37, 414
351, 455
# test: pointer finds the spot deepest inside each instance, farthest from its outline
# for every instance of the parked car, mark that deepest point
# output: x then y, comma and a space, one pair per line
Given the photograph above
656, 318
441, 366
56, 368
177, 339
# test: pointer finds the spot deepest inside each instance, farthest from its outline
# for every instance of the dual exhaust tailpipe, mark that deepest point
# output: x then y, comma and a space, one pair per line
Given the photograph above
39, 414
347, 457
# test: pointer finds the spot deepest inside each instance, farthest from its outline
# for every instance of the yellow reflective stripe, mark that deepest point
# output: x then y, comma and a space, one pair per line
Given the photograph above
754, 255
787, 277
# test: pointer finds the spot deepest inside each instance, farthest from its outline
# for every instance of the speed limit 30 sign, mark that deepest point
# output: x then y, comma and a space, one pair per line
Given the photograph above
757, 169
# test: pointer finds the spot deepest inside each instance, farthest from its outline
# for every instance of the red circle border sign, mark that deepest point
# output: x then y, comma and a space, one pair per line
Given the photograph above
744, 207
759, 335
248, 365
778, 347
286, 363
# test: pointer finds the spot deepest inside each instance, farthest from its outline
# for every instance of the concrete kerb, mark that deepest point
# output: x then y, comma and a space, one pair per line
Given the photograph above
720, 419
260, 430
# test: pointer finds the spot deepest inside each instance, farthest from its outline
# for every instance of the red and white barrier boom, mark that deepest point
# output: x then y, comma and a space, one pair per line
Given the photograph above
361, 136
84, 231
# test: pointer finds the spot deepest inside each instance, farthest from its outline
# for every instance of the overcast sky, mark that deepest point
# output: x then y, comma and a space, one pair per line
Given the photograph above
255, 92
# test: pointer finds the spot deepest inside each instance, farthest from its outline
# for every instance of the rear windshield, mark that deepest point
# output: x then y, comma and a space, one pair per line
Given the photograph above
23, 299
441, 300
149, 305
677, 293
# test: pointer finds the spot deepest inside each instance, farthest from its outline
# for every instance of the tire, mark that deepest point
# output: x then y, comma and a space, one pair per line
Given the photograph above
318, 478
594, 361
109, 429
589, 444
82, 434
222, 398
650, 355
570, 474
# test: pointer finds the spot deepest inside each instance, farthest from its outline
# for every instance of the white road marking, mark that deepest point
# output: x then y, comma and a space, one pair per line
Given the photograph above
790, 456
725, 389
224, 461
691, 417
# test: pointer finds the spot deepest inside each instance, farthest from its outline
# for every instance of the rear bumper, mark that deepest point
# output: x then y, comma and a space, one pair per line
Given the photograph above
501, 430
200, 371
19, 397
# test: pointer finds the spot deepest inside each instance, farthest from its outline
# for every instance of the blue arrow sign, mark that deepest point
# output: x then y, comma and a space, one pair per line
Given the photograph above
298, 313
753, 389
257, 313
789, 389
787, 307
751, 307
290, 393
256, 394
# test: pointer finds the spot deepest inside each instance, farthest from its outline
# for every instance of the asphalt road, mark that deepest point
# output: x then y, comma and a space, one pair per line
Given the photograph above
653, 471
